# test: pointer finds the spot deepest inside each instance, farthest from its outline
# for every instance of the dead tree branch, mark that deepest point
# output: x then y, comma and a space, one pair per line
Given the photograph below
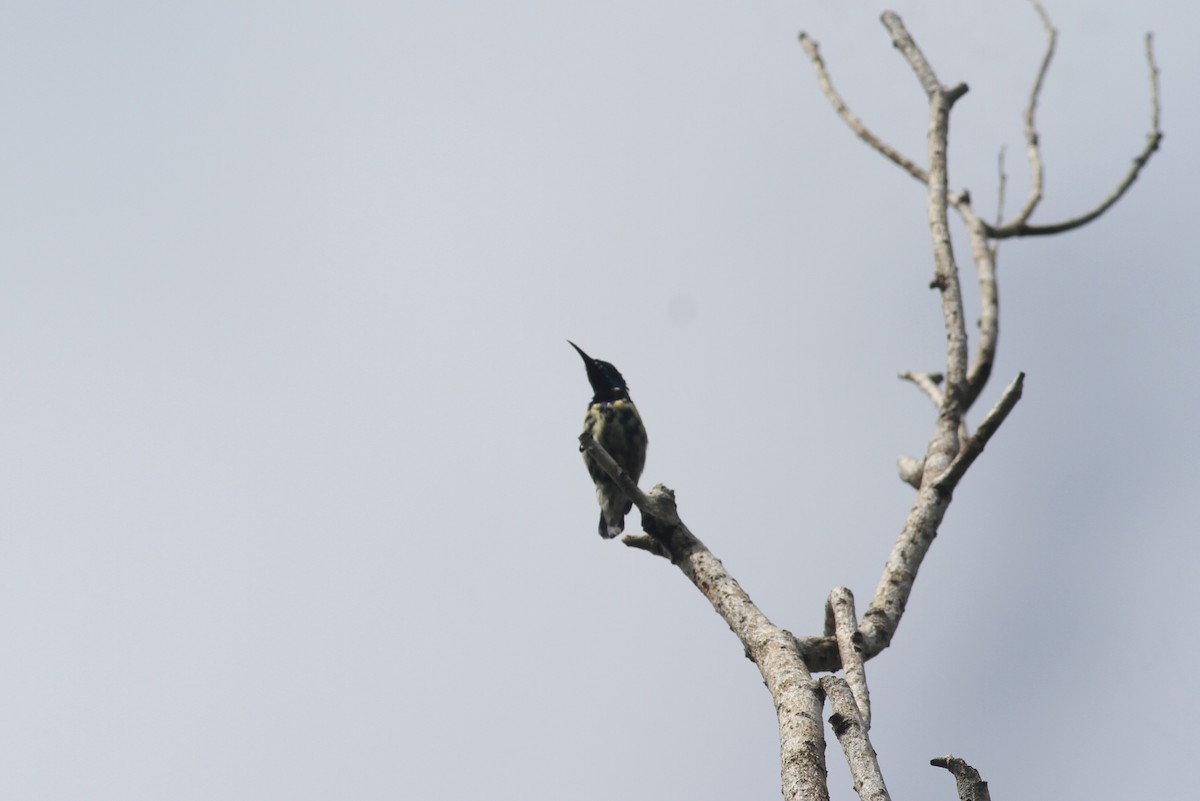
851, 732
984, 255
941, 100
1019, 226
896, 157
797, 696
960, 200
950, 449
1033, 151
948, 456
842, 622
971, 787
786, 662
929, 383
971, 449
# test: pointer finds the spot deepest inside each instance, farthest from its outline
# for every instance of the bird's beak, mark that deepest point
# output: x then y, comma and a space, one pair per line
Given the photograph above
586, 359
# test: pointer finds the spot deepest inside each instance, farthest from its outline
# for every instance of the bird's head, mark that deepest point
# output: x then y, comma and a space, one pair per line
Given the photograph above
607, 382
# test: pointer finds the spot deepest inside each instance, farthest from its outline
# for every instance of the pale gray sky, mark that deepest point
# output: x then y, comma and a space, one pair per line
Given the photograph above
292, 505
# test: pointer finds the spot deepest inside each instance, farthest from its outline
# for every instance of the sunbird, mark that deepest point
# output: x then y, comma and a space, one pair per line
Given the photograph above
614, 422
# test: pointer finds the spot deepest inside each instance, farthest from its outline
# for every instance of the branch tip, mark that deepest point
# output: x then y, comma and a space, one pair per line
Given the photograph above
973, 446
843, 111
970, 785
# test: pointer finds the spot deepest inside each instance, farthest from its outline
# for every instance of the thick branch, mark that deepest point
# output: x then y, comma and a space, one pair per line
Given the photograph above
879, 622
937, 486
797, 696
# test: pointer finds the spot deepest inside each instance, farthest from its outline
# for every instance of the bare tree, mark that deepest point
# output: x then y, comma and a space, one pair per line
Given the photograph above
787, 662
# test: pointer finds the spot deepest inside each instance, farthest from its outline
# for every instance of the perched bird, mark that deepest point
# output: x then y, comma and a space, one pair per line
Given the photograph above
615, 424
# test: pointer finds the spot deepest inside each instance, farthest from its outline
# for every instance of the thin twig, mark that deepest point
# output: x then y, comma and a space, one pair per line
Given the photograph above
645, 542
1036, 169
859, 127
1002, 186
850, 118
1153, 140
984, 256
974, 446
927, 383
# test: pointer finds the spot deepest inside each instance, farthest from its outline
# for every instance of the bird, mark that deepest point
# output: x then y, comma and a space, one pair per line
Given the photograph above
614, 423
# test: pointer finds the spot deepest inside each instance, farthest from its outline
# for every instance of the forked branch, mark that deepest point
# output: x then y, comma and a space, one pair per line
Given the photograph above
797, 696
1019, 226
950, 450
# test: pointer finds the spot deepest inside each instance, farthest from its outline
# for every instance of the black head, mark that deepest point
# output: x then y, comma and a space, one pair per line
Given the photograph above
607, 382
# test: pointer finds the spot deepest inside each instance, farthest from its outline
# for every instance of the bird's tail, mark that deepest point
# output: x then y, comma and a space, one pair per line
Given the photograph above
613, 524
611, 529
